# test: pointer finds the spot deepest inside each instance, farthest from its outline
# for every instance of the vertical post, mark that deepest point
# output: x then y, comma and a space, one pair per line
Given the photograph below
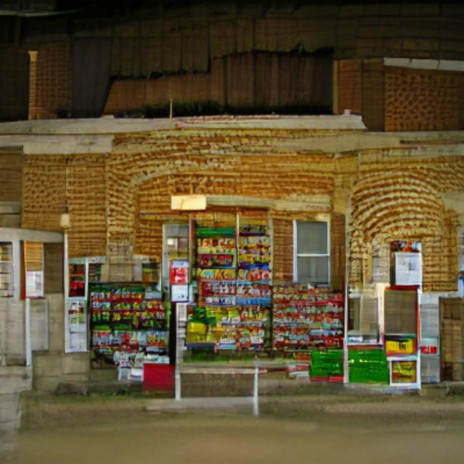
66, 264
33, 86
177, 395
66, 288
255, 393
181, 312
27, 335
177, 387
346, 373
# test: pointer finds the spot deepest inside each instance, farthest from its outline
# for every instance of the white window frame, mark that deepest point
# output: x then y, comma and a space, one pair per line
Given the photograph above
297, 255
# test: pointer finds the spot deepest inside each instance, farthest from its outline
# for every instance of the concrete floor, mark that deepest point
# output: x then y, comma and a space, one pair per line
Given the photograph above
318, 428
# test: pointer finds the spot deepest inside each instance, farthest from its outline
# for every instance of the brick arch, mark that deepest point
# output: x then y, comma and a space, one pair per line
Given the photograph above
147, 179
399, 204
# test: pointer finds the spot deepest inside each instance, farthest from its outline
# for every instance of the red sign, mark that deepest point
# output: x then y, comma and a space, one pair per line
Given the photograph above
429, 349
179, 272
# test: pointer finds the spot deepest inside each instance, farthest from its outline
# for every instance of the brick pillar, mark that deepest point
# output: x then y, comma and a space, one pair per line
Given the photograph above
33, 96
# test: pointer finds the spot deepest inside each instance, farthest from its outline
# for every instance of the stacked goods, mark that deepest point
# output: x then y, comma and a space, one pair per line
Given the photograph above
234, 287
304, 319
127, 319
404, 371
368, 366
327, 365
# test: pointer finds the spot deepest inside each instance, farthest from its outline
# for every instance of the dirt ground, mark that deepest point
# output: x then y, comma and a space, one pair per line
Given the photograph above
316, 429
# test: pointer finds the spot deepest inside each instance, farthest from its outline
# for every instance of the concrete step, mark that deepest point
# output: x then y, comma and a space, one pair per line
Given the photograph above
200, 404
15, 379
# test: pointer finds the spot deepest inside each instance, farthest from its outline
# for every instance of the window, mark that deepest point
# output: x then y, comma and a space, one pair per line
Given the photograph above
311, 253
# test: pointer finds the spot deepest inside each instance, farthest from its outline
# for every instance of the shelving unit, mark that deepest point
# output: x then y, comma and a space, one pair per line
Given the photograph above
306, 319
233, 270
402, 327
6, 269
126, 318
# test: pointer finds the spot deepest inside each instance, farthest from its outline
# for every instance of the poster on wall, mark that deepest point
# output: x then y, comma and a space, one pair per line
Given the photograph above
408, 269
179, 270
77, 276
76, 325
34, 268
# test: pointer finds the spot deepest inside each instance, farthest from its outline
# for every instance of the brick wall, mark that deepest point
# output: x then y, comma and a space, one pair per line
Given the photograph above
119, 201
14, 79
11, 169
401, 99
50, 82
349, 78
402, 201
423, 100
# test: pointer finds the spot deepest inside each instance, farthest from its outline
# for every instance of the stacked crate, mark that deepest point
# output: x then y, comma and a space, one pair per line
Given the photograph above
368, 366
327, 365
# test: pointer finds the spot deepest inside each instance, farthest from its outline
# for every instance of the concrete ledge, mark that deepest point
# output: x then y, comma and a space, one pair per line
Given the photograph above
216, 381
15, 379
191, 404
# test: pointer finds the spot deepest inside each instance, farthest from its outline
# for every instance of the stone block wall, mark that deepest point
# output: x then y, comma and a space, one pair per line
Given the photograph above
53, 367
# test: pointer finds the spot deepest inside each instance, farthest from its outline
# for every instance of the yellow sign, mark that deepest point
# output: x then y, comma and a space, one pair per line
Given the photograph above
401, 346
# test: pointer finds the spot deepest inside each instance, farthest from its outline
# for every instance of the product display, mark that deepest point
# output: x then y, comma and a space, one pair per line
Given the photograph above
234, 288
304, 319
127, 318
403, 371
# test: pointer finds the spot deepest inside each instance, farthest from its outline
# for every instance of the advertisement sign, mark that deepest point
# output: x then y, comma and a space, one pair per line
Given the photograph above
408, 269
179, 272
76, 325
34, 267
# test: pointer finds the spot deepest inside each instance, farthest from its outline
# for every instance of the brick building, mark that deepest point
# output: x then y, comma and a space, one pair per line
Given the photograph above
380, 168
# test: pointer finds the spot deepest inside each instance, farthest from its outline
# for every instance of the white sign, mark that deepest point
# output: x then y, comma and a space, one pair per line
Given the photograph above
34, 284
408, 268
76, 325
179, 293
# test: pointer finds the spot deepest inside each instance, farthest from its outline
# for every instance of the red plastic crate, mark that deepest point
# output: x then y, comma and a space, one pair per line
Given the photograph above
158, 376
